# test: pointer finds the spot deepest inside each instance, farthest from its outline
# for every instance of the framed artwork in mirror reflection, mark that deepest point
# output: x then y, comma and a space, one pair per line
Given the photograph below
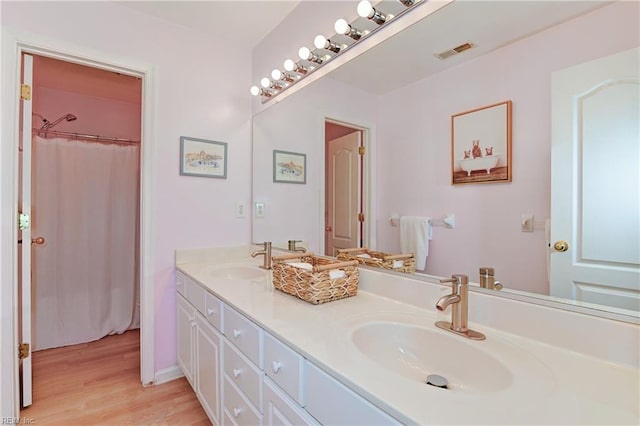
201, 157
289, 167
481, 145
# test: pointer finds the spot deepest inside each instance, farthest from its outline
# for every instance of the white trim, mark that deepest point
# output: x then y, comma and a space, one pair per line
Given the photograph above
369, 192
168, 374
9, 324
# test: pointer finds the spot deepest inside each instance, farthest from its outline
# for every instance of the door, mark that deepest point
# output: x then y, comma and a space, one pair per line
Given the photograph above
207, 368
595, 216
186, 323
25, 234
342, 193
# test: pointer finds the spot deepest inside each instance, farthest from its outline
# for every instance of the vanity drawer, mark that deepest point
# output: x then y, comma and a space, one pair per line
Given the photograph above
280, 409
284, 366
332, 403
243, 373
237, 408
243, 333
213, 310
195, 294
181, 280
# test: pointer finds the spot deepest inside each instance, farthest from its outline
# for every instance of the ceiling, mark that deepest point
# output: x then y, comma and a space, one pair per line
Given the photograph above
248, 21
409, 56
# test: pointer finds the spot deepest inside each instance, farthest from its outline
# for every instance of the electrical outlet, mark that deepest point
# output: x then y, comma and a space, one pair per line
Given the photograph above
259, 209
526, 223
240, 209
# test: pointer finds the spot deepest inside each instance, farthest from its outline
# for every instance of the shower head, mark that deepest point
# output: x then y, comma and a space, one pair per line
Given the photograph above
49, 124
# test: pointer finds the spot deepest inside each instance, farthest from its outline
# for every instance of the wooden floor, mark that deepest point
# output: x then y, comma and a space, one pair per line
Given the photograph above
98, 383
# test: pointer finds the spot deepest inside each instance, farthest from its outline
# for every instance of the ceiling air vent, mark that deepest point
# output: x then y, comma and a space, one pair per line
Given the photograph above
451, 52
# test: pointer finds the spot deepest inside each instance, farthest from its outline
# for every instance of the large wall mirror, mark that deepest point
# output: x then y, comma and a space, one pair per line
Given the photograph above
570, 70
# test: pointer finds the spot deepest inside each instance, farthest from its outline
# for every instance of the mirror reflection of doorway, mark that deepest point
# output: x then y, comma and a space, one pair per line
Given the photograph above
344, 182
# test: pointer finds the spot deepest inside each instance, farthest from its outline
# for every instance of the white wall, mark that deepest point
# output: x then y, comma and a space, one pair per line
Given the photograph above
414, 158
200, 90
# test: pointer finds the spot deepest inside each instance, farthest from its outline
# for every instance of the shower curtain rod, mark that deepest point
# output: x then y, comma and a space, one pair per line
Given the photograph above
96, 138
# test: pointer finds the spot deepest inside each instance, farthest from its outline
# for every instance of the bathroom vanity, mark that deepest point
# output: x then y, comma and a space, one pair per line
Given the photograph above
255, 355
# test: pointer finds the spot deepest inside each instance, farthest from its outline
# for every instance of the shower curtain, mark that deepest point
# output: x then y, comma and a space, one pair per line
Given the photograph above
85, 276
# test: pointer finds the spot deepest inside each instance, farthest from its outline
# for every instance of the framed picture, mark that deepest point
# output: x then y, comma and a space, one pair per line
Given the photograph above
481, 145
289, 167
200, 157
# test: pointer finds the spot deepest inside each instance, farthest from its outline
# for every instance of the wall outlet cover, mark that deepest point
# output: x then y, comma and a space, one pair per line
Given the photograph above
259, 209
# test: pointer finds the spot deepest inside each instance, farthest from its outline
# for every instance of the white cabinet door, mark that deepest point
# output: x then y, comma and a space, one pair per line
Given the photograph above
332, 403
207, 371
279, 409
186, 323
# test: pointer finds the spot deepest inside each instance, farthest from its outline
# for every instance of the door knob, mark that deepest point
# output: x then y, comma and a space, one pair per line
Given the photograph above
328, 228
38, 240
561, 246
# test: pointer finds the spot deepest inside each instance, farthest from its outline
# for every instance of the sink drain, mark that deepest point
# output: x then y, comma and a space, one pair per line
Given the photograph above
437, 381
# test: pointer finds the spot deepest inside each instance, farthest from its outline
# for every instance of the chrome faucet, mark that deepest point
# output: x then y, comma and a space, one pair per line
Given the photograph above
292, 246
459, 301
266, 251
487, 279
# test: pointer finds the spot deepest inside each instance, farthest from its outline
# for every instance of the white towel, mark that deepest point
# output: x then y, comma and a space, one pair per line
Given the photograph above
302, 265
415, 233
336, 273
397, 264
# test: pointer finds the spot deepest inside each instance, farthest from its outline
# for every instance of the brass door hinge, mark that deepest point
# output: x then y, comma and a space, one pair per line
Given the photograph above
361, 150
23, 350
360, 217
25, 92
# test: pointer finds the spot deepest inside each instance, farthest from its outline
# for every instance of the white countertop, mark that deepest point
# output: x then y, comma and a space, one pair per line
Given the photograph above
549, 385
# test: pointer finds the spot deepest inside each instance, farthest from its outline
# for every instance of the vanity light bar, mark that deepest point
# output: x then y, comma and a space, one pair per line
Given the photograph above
297, 71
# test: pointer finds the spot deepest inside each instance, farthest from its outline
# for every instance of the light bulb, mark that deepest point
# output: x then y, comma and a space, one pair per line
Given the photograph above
320, 42
289, 65
276, 74
265, 82
304, 53
255, 90
364, 9
341, 26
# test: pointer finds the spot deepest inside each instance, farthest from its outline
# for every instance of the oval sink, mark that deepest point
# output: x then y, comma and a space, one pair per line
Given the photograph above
235, 272
415, 353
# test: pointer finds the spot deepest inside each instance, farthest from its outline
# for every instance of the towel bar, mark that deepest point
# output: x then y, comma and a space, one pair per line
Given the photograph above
449, 221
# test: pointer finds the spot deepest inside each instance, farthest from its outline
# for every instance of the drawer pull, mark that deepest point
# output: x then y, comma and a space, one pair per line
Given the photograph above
236, 372
210, 312
236, 412
236, 333
275, 366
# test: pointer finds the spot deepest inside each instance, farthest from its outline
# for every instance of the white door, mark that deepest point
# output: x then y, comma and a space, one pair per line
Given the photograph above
342, 193
25, 235
595, 178
185, 325
207, 368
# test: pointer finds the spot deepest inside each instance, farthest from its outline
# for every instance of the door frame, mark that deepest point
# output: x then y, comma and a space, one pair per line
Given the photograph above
9, 380
369, 191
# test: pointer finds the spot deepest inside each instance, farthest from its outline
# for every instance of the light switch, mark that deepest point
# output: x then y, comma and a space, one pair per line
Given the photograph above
240, 209
526, 223
259, 209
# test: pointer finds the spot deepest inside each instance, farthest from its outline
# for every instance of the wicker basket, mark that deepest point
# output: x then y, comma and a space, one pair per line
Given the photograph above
315, 285
396, 262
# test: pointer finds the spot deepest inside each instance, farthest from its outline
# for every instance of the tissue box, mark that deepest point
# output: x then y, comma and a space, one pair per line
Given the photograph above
325, 280
396, 262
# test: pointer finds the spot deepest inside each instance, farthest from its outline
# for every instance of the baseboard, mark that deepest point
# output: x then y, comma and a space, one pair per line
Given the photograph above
167, 375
